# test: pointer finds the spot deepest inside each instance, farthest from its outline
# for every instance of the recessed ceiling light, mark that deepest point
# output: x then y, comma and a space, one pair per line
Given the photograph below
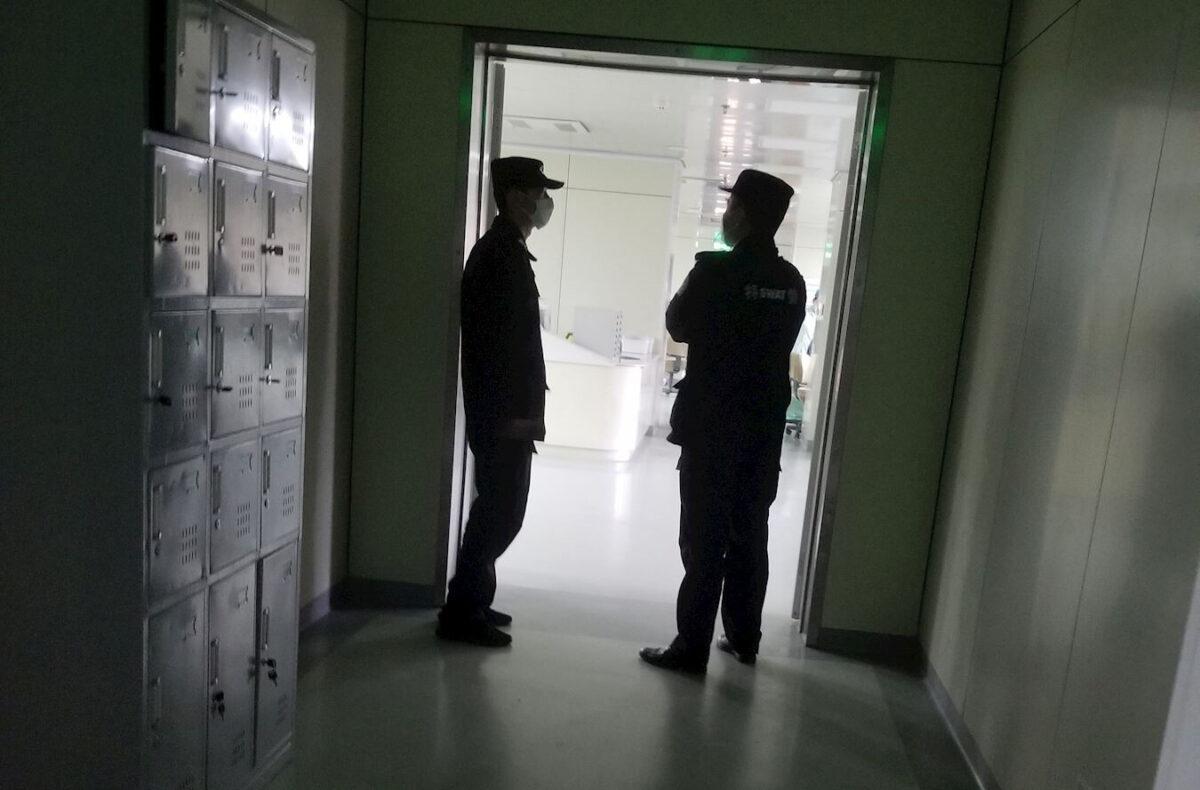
755, 81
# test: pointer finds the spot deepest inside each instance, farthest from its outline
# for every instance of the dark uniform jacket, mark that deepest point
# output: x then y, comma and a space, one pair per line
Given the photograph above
739, 312
503, 371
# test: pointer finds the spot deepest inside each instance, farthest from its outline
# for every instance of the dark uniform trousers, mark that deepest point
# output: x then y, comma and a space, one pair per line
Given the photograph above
725, 500
502, 470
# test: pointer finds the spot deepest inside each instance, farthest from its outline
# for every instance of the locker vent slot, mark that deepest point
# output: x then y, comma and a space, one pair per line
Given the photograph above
245, 391
191, 404
299, 127
249, 254
190, 548
289, 500
291, 384
245, 511
193, 260
295, 256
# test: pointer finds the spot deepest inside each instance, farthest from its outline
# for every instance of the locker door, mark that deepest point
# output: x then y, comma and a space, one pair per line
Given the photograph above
291, 118
174, 734
278, 634
189, 68
287, 237
283, 364
236, 355
177, 392
240, 84
238, 201
180, 228
176, 513
232, 667
282, 468
235, 511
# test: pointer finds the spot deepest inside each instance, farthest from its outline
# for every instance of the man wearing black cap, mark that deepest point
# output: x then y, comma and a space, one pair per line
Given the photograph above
504, 392
739, 312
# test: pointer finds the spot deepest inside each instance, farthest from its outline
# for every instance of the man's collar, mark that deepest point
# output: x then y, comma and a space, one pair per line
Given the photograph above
508, 230
758, 244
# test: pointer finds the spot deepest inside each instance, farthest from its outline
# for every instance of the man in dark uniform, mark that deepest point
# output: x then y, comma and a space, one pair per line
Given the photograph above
504, 392
739, 312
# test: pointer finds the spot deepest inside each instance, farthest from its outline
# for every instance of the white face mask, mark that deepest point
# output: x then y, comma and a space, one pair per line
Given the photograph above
541, 214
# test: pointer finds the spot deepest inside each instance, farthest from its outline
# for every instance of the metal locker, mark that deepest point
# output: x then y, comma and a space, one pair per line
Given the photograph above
240, 83
278, 633
177, 392
238, 200
287, 237
283, 364
174, 734
234, 480
236, 361
232, 668
176, 512
180, 229
282, 470
291, 113
188, 67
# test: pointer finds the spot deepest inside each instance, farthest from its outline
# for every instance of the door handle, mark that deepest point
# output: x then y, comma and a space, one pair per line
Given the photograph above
276, 62
167, 238
216, 493
223, 55
214, 663
156, 535
273, 249
161, 212
219, 209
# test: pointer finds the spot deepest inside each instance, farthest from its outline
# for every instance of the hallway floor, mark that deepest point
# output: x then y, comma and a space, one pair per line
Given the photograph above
383, 704
607, 528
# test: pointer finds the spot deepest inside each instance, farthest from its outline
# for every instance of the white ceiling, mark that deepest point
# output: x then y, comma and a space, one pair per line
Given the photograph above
715, 126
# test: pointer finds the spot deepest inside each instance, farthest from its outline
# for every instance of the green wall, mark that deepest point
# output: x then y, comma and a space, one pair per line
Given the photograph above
928, 29
71, 344
339, 31
1066, 549
927, 211
921, 252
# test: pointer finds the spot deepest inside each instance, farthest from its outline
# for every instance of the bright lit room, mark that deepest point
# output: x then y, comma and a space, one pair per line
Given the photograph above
644, 154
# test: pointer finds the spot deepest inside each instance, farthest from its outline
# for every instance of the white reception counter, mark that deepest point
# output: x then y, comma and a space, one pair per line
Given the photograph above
595, 404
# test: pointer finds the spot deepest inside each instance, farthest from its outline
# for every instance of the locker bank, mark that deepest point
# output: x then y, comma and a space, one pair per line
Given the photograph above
233, 472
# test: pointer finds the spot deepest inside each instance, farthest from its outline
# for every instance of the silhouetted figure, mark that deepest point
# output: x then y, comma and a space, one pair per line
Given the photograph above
740, 313
504, 392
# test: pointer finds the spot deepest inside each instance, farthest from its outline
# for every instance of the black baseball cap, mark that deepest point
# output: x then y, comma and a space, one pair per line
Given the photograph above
521, 172
762, 192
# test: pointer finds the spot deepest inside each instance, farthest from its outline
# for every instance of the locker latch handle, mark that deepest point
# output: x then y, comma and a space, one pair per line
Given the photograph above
166, 238
272, 672
269, 380
218, 703
218, 388
272, 249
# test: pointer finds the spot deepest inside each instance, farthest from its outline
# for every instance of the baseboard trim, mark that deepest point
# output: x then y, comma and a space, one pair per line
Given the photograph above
315, 610
901, 652
360, 593
959, 730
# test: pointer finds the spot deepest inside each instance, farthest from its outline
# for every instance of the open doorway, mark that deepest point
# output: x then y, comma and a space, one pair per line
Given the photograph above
644, 143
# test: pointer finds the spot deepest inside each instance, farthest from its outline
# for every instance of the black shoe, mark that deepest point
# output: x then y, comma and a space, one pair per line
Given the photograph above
746, 657
497, 619
674, 660
473, 631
